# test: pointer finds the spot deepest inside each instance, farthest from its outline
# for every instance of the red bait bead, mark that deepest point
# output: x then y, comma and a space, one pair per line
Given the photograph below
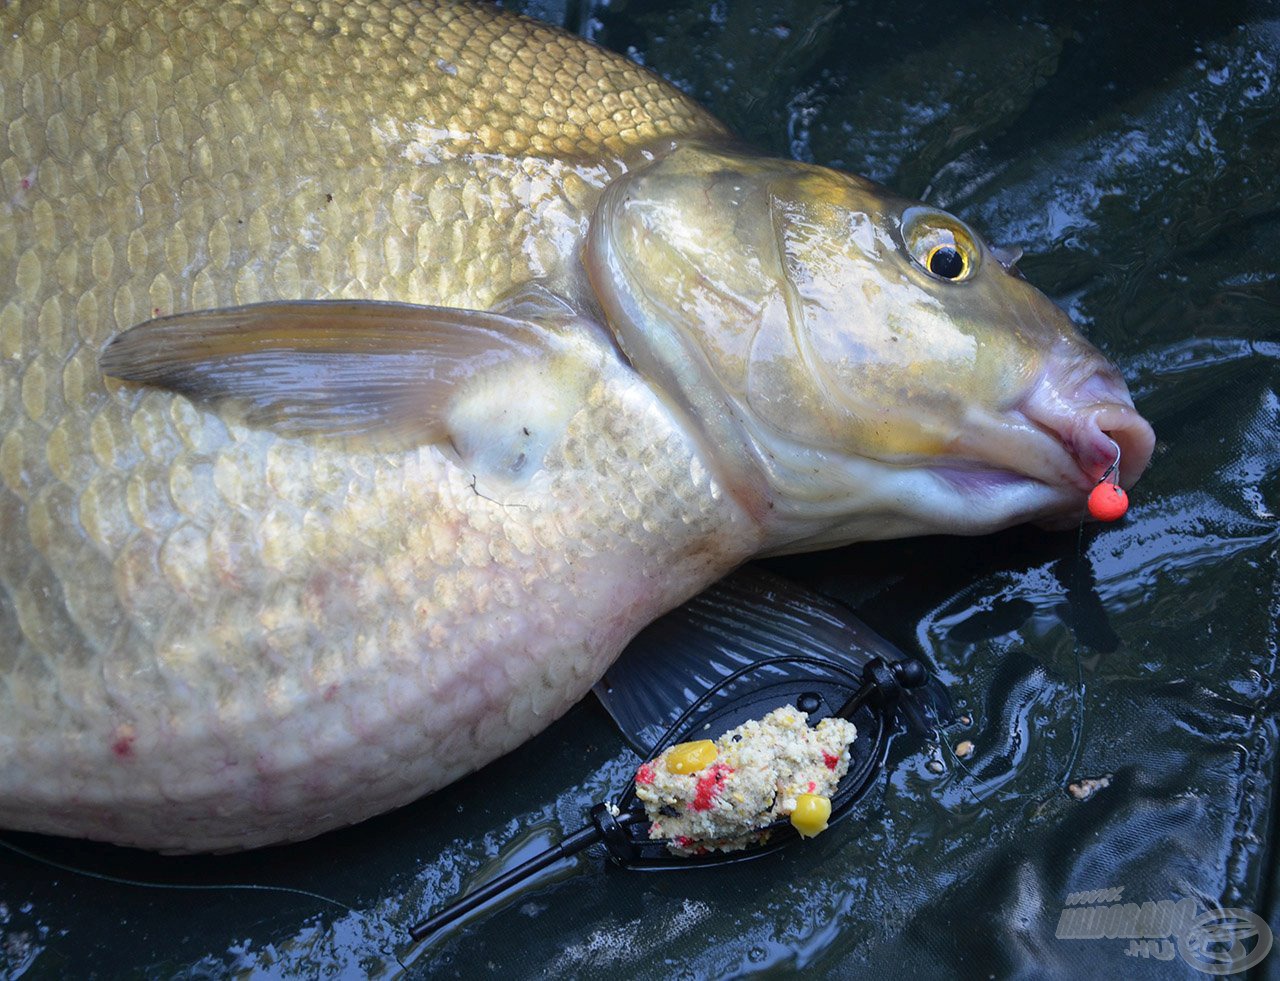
1107, 501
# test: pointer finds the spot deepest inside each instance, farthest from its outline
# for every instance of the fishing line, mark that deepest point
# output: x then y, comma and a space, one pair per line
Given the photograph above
1077, 736
190, 886
955, 758
1107, 502
194, 886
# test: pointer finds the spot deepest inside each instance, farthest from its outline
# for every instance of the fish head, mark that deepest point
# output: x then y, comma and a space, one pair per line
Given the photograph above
862, 365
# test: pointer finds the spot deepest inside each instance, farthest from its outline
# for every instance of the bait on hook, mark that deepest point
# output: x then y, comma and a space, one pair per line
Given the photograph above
1107, 500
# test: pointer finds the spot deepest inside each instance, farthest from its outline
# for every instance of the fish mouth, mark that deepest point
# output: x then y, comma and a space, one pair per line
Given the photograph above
977, 498
1107, 441
1096, 427
1107, 435
1045, 456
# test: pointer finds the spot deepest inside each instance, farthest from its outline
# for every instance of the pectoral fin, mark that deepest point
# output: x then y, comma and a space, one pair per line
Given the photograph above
335, 368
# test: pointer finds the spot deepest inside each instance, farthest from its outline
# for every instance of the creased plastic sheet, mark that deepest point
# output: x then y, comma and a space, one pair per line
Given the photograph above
1134, 152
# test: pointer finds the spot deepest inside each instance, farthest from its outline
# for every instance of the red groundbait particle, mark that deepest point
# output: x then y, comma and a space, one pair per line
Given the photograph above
709, 787
644, 774
830, 760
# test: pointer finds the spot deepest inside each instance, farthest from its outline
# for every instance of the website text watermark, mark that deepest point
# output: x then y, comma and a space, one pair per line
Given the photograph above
1215, 941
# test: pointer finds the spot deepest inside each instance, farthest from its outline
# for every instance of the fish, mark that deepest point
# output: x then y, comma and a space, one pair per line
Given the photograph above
371, 373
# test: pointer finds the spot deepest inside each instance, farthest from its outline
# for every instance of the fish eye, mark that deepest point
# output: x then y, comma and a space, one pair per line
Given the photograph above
946, 261
940, 244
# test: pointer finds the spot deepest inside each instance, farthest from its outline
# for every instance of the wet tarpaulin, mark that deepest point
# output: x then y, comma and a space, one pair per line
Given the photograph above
1117, 684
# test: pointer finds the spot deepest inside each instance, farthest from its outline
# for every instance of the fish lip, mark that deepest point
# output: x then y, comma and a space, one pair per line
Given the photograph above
1058, 460
1131, 434
1001, 449
987, 485
968, 476
977, 498
1093, 419
1068, 469
1064, 464
1065, 432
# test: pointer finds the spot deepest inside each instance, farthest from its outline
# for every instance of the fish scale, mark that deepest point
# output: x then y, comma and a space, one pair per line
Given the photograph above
187, 607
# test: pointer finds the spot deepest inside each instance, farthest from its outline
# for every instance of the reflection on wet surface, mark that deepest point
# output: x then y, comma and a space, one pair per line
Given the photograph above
1135, 159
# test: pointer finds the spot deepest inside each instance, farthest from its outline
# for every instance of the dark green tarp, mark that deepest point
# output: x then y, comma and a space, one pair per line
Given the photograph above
1134, 151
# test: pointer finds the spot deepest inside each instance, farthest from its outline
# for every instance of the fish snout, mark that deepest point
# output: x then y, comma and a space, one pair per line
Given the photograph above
1094, 420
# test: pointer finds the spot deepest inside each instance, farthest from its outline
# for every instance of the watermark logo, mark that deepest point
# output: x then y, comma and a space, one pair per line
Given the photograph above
1215, 941
1224, 941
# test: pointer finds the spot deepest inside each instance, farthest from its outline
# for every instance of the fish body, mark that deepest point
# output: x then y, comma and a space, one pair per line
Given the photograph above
274, 581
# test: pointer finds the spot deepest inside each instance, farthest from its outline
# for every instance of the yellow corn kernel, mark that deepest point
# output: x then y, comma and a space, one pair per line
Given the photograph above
811, 814
691, 757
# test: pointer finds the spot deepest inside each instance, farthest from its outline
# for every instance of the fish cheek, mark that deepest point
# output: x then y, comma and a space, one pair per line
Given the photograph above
858, 359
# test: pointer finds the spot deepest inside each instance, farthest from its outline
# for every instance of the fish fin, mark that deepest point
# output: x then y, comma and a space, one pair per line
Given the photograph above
337, 368
745, 618
1006, 255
